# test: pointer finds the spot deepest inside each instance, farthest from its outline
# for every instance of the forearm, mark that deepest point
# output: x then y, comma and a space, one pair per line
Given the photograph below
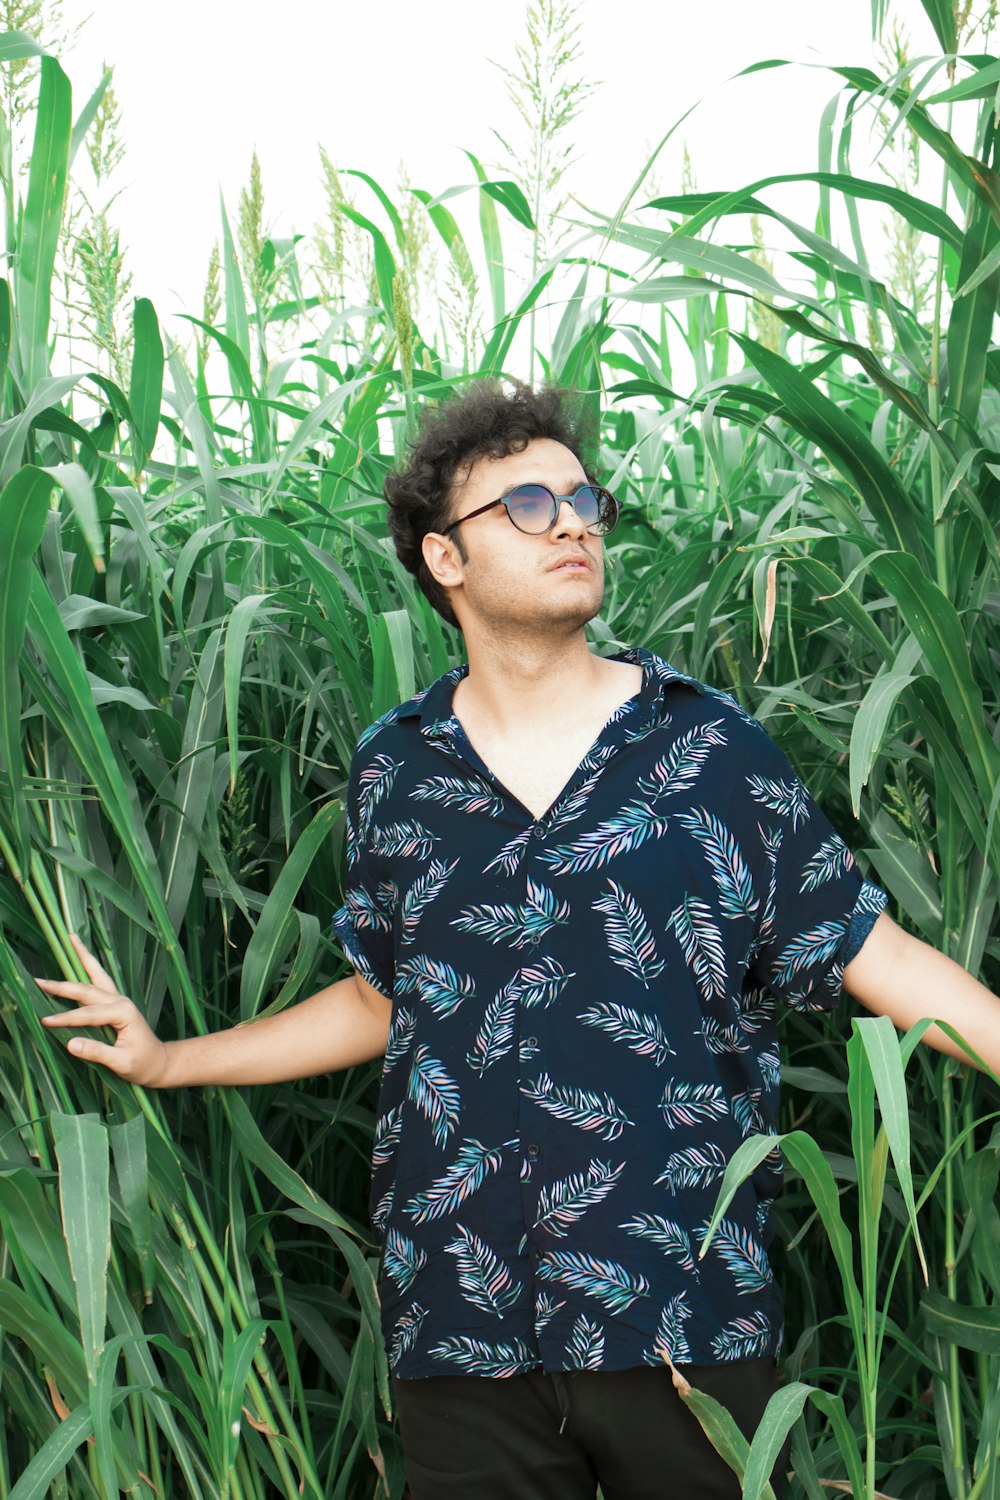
335, 1028
897, 975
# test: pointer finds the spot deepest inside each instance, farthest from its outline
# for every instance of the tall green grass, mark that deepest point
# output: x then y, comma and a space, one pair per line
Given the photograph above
199, 612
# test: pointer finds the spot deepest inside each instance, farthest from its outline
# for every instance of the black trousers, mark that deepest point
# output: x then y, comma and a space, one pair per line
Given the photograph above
557, 1436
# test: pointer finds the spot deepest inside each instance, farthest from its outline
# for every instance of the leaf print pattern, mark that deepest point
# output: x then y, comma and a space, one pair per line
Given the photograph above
495, 1036
746, 1259
400, 1037
406, 1332
831, 859
423, 891
771, 844
637, 822
813, 947
585, 1350
581, 1107
642, 1033
630, 940
484, 1280
545, 1310
508, 1357
670, 1336
719, 1039
610, 1283
701, 941
383, 1208
441, 986
387, 1128
568, 1198
516, 925
374, 784
670, 1237
786, 797
683, 873
468, 796
747, 1112
435, 1094
403, 1261
692, 1103
698, 1166
406, 840
679, 769
769, 1063
743, 1338
510, 856
576, 804
541, 984
729, 869
465, 1176
373, 911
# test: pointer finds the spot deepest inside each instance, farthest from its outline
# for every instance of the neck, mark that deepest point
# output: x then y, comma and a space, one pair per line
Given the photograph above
541, 681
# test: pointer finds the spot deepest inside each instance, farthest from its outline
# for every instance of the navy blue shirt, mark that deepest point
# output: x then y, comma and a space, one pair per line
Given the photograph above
583, 1028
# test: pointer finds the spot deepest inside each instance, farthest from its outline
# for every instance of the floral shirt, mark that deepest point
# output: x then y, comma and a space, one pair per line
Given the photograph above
584, 1029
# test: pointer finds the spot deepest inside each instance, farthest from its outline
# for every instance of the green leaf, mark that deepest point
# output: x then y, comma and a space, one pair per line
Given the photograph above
41, 221
54, 1454
934, 621
24, 505
81, 1143
87, 115
269, 941
845, 444
17, 45
78, 488
238, 628
128, 1146
941, 14
870, 725
782, 1410
489, 226
392, 645
700, 209
881, 1044
720, 1428
967, 1326
146, 386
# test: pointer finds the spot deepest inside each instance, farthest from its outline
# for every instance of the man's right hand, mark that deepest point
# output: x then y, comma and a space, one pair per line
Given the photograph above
137, 1054
338, 1027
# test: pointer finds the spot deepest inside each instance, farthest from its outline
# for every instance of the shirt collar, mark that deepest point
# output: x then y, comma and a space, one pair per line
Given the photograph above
433, 707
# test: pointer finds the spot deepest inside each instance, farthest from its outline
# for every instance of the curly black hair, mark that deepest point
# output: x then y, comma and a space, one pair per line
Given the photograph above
486, 420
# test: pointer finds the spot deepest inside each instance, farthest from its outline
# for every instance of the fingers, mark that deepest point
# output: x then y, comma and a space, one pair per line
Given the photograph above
98, 976
96, 1052
83, 994
90, 1015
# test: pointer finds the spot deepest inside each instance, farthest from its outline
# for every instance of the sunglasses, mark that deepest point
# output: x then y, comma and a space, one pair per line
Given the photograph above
533, 508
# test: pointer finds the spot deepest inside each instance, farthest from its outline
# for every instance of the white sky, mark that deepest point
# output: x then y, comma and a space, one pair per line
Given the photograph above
201, 83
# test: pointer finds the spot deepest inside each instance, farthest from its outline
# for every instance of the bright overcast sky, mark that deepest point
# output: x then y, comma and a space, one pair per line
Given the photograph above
204, 82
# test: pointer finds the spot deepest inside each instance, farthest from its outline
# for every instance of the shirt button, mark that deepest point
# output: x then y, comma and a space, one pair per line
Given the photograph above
534, 940
531, 1041
532, 1153
538, 832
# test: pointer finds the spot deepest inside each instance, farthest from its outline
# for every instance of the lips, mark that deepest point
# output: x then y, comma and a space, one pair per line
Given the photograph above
577, 563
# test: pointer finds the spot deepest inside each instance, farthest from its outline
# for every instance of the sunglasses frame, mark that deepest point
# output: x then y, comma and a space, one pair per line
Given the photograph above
556, 501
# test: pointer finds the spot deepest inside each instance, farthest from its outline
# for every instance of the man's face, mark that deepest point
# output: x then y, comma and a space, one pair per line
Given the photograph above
508, 579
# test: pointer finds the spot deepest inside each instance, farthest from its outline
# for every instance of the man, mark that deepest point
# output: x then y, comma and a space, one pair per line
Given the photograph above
577, 888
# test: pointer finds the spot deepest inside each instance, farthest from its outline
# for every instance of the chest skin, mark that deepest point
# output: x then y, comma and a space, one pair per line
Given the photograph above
535, 765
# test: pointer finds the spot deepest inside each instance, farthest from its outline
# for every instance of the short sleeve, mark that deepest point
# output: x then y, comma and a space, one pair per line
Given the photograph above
813, 899
364, 925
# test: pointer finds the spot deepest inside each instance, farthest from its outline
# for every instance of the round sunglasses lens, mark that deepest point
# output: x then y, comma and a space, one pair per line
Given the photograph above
530, 508
596, 508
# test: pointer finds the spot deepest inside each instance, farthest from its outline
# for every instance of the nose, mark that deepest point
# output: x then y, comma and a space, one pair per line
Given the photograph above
567, 522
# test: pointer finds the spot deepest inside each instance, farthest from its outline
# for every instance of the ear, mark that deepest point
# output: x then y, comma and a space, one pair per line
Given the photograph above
442, 559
